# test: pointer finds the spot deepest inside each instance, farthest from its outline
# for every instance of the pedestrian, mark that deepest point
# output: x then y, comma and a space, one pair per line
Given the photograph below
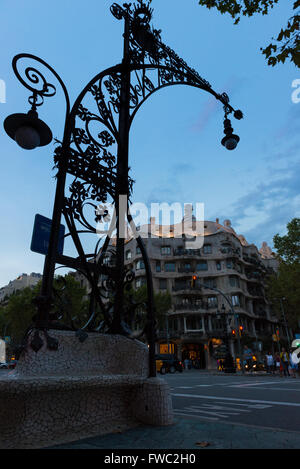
284, 358
278, 364
274, 363
269, 363
186, 363
293, 365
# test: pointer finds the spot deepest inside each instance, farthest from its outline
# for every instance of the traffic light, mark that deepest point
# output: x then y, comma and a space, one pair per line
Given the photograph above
193, 282
241, 331
233, 333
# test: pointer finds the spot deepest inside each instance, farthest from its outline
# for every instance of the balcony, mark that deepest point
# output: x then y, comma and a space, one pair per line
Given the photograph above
187, 252
185, 270
233, 252
187, 287
190, 306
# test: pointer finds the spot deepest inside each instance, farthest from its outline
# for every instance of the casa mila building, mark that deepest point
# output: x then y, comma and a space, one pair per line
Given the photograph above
227, 265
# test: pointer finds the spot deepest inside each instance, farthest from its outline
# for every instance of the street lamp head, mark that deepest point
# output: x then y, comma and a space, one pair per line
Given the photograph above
230, 140
28, 130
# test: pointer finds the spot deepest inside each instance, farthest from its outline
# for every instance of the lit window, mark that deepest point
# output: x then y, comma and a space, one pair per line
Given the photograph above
235, 300
140, 265
212, 302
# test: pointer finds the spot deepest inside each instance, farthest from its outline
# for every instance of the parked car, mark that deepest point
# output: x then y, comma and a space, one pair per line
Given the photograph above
168, 363
3, 365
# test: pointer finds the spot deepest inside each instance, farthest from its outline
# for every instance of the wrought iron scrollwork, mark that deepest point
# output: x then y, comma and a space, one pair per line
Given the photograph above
90, 155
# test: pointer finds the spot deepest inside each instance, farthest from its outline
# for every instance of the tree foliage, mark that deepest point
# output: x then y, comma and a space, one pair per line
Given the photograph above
162, 302
288, 246
285, 45
17, 313
285, 285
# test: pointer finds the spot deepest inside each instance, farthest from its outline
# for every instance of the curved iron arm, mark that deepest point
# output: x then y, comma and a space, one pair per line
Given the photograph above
35, 77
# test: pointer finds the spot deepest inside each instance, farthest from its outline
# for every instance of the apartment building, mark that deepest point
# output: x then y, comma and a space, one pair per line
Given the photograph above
22, 281
227, 265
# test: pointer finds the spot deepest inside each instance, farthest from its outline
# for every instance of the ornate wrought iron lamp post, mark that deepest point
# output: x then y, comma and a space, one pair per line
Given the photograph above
94, 150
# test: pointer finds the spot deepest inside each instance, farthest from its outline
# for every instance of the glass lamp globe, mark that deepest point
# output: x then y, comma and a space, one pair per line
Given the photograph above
230, 141
27, 130
27, 137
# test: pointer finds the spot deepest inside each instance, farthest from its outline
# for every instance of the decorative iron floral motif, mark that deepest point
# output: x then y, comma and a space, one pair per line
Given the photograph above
90, 150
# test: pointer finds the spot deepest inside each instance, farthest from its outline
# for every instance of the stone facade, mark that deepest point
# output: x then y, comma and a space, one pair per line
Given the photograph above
23, 281
225, 261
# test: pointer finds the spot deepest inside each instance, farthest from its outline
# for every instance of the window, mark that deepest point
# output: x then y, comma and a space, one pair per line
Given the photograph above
191, 323
234, 282
139, 282
201, 265
217, 324
185, 267
207, 249
210, 282
212, 302
218, 265
165, 250
235, 300
128, 254
229, 264
140, 265
162, 283
157, 266
170, 267
138, 250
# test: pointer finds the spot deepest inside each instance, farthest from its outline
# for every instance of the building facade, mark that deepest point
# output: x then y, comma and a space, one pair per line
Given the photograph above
228, 266
21, 282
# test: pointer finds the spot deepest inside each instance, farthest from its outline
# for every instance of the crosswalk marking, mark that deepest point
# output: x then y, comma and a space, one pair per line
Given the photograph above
256, 401
253, 384
218, 410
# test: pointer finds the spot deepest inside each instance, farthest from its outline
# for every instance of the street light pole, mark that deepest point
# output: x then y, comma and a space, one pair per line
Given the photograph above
235, 316
285, 321
122, 190
98, 163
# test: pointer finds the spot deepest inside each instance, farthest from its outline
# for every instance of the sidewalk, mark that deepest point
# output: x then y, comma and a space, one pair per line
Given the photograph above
191, 434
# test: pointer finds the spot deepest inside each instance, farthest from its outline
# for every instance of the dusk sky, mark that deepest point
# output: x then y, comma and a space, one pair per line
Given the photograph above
175, 149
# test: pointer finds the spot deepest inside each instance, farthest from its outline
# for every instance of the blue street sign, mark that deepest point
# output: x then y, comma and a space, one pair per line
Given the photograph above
41, 235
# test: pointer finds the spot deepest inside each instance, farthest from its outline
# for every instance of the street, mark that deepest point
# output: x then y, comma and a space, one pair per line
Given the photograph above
264, 401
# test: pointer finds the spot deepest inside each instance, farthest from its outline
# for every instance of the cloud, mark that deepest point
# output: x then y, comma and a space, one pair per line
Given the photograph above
267, 209
291, 126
